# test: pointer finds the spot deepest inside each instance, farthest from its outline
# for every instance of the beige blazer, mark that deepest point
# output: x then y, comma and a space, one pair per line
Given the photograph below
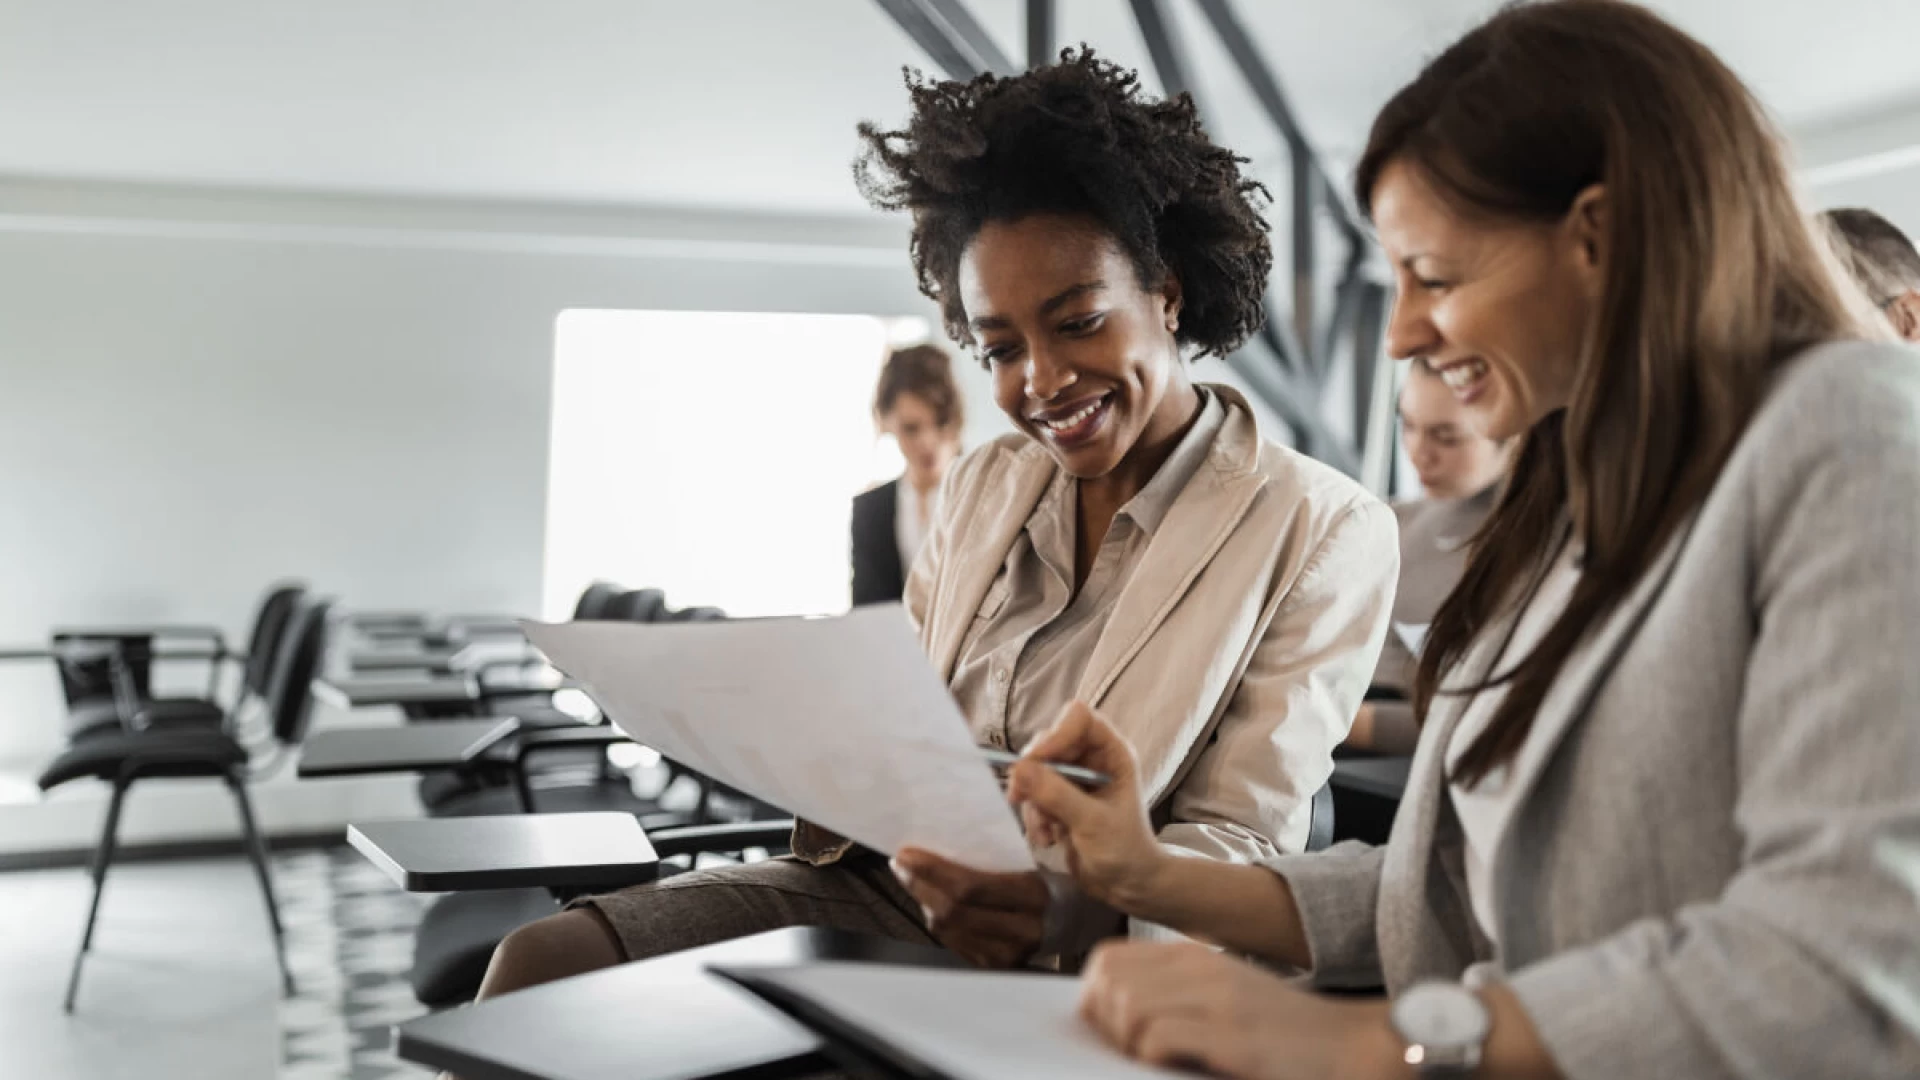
1713, 869
1236, 654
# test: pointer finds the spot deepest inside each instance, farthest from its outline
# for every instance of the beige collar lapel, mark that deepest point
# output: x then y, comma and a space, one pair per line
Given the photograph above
979, 545
1198, 523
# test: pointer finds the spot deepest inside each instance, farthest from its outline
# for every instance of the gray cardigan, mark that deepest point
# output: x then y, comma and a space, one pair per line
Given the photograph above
1714, 866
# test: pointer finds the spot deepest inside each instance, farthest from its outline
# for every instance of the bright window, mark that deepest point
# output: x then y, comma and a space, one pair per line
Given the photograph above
712, 455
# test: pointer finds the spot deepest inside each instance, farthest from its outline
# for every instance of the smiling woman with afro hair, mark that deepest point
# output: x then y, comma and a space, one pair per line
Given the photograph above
1135, 546
1077, 138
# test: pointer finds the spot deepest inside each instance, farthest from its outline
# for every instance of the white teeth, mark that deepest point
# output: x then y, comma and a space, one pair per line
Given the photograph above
1461, 376
1068, 422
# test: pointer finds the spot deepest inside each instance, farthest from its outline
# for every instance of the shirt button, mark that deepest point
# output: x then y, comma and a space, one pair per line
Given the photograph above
1000, 677
998, 740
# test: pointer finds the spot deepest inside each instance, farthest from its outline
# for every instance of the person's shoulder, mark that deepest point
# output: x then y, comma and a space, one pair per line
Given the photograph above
986, 462
877, 495
1296, 477
1840, 395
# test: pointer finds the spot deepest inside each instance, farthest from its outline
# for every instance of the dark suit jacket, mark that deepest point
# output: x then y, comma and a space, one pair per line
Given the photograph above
878, 577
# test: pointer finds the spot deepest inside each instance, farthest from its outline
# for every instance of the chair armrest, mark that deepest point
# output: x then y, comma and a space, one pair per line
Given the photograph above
533, 742
163, 643
701, 839
538, 740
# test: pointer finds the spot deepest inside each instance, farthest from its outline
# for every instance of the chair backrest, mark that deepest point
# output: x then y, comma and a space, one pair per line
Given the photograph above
290, 690
269, 626
697, 614
637, 605
593, 602
87, 674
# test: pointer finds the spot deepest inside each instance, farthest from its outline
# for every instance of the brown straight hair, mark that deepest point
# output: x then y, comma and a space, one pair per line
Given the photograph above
1713, 280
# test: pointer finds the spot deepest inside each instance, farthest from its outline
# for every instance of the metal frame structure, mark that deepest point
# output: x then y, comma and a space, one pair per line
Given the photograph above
1290, 364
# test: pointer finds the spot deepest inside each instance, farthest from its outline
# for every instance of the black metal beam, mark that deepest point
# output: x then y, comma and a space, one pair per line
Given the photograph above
1301, 188
1369, 319
1297, 401
1040, 33
1253, 67
950, 36
1163, 45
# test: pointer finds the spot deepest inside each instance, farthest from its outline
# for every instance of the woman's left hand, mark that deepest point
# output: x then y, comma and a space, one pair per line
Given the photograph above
1188, 1006
993, 920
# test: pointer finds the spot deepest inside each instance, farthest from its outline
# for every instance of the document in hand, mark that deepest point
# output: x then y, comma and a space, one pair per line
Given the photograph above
841, 721
950, 1025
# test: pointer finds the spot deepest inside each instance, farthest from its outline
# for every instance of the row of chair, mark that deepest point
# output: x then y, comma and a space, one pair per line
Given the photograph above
555, 764
556, 761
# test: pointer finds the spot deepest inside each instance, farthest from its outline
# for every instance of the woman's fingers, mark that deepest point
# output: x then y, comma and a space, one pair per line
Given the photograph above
1094, 744
1042, 830
1034, 785
943, 883
1131, 988
1183, 1042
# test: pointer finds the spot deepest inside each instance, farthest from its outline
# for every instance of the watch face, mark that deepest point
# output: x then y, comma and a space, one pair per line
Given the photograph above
1440, 1015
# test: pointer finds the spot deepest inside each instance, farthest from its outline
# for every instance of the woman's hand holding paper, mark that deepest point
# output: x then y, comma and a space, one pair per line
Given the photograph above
993, 920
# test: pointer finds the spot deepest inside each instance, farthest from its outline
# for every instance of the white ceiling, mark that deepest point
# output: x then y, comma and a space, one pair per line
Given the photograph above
721, 103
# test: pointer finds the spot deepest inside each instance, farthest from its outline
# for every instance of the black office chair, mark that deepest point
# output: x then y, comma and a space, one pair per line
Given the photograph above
123, 757
594, 600
487, 786
106, 675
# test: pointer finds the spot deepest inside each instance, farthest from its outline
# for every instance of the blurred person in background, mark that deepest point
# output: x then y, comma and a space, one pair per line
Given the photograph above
1882, 261
918, 404
1460, 471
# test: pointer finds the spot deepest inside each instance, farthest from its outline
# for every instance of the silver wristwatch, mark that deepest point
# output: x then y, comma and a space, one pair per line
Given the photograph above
1445, 1027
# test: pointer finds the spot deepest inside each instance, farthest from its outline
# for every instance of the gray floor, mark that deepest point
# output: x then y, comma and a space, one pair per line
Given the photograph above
181, 981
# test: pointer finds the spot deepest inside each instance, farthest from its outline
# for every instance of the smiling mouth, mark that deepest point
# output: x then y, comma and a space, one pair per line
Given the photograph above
1465, 378
1077, 426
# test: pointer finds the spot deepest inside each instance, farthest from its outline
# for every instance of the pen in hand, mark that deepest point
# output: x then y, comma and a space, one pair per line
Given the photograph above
1085, 779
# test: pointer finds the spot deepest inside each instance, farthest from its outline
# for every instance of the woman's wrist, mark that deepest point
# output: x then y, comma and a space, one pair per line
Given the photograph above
1369, 1047
1145, 893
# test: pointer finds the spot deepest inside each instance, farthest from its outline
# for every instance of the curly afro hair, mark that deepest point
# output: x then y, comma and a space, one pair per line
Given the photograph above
1076, 138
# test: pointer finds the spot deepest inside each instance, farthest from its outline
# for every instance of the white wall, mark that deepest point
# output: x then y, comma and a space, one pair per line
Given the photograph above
207, 391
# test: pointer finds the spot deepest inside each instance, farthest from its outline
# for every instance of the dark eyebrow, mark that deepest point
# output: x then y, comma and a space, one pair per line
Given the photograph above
1052, 304
1055, 303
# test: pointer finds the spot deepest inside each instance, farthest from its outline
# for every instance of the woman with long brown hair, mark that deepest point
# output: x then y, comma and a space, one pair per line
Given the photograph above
1664, 818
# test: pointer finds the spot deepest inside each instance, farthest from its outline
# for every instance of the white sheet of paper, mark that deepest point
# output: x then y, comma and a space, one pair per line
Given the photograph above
966, 1024
841, 721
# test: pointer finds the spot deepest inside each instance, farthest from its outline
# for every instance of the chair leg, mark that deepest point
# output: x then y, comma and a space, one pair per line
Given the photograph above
102, 856
257, 851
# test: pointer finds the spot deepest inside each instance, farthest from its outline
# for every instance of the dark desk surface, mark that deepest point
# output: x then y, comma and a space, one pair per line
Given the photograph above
583, 852
661, 1019
439, 744
1383, 776
360, 693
